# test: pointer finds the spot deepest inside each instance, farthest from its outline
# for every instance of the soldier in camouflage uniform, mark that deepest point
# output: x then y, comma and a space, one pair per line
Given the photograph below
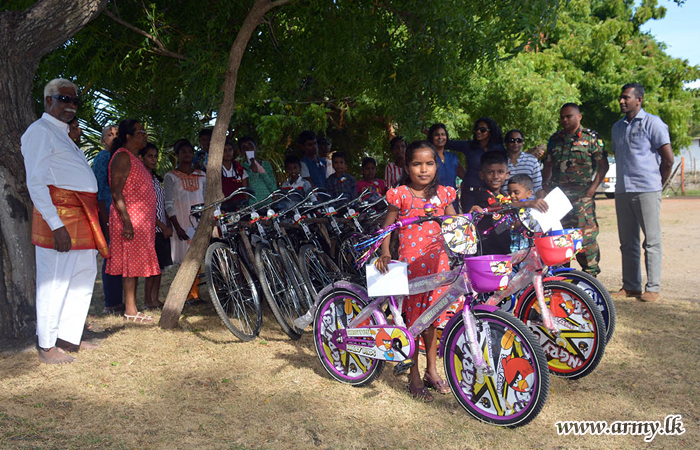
573, 155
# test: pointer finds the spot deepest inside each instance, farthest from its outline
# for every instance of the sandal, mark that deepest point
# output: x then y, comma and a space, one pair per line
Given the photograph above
421, 394
139, 318
440, 385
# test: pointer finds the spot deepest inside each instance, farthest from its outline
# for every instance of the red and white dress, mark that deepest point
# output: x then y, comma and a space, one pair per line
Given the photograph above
135, 257
421, 246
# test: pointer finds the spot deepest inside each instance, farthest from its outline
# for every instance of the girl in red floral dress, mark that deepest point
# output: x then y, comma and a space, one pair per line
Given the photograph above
421, 246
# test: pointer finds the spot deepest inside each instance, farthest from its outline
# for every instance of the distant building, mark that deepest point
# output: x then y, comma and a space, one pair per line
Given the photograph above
690, 153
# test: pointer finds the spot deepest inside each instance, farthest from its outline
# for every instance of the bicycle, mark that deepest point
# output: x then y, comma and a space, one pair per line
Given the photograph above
231, 287
276, 265
567, 322
494, 364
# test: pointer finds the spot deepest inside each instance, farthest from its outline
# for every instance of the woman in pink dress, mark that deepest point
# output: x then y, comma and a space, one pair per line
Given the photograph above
132, 217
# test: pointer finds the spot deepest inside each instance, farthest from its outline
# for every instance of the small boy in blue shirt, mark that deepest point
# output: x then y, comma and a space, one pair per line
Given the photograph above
340, 182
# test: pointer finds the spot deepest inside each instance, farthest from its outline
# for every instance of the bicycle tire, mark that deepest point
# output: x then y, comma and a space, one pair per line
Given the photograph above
520, 370
332, 314
232, 291
270, 274
347, 256
598, 293
317, 268
578, 353
302, 296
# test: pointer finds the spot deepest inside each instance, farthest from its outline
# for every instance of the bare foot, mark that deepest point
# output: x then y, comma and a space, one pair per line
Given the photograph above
53, 356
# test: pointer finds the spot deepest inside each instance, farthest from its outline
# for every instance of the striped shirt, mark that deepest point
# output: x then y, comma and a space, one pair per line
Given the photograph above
392, 174
160, 203
529, 165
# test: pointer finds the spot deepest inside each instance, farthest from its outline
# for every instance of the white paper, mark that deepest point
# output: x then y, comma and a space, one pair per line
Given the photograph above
559, 205
190, 232
394, 282
250, 155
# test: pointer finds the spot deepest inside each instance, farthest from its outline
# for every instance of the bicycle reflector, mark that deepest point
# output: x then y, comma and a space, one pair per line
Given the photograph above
555, 250
489, 273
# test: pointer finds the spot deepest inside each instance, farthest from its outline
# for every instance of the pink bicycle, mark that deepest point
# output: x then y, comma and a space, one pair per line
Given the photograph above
493, 363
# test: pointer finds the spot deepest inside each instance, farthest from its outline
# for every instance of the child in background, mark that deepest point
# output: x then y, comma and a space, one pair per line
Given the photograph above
292, 166
149, 157
394, 170
341, 183
370, 180
422, 248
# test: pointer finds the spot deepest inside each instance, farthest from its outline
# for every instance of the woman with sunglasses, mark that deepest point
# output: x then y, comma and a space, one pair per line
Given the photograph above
486, 137
520, 162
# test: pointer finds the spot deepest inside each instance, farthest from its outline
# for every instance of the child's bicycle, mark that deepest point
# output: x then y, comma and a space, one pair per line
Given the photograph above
565, 319
595, 289
493, 362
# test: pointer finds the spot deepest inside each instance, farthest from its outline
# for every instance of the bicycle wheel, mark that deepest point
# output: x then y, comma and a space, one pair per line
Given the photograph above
301, 292
517, 391
277, 292
335, 311
232, 291
347, 256
317, 268
597, 292
581, 343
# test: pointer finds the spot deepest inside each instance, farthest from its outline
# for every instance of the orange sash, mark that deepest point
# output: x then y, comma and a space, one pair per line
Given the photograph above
78, 211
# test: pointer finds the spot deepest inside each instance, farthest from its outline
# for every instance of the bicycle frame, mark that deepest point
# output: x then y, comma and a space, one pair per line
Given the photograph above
360, 339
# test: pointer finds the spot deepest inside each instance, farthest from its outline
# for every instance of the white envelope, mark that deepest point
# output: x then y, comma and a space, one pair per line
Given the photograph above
559, 205
394, 282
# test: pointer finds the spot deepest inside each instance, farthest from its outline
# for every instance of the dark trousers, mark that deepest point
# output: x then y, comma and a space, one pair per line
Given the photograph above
112, 287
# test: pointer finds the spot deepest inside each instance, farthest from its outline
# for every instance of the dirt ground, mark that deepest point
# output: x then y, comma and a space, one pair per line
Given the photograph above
199, 387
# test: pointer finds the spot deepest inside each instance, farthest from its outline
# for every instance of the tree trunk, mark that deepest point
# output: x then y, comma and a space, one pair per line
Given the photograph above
25, 37
180, 287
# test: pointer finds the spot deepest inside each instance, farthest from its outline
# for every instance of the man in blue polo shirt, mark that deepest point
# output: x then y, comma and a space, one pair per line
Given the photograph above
644, 160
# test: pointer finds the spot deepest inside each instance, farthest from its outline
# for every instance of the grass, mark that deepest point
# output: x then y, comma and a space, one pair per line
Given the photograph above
199, 387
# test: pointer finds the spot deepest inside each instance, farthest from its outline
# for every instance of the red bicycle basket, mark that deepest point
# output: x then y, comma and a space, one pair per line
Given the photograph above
555, 250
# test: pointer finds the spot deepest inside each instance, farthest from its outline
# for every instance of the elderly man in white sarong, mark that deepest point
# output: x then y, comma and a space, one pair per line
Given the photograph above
65, 224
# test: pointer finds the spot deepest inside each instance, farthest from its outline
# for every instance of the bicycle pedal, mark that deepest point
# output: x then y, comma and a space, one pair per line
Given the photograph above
402, 367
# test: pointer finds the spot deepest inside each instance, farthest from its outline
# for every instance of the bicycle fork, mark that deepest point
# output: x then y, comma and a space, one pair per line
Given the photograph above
480, 365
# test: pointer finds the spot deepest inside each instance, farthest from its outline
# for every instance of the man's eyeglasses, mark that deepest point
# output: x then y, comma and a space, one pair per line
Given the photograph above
481, 129
515, 140
67, 99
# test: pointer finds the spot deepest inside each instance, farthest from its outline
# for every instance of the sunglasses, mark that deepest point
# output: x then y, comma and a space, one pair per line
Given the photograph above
67, 99
481, 129
515, 140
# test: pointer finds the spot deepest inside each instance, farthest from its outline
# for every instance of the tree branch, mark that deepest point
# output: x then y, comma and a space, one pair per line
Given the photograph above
161, 48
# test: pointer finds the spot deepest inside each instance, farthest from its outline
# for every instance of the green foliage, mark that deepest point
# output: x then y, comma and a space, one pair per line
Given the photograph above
357, 70
312, 64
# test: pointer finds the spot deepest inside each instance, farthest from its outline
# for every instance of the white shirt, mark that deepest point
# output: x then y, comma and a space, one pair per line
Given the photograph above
232, 173
52, 158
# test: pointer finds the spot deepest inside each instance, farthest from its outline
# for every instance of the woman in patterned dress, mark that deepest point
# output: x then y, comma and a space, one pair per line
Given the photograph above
132, 217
